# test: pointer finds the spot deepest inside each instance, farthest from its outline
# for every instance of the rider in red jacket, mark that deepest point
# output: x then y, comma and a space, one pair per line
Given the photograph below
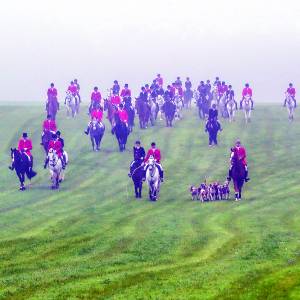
96, 114
56, 145
291, 91
155, 152
240, 151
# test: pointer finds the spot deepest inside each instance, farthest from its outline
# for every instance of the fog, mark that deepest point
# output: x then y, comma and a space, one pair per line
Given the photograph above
98, 41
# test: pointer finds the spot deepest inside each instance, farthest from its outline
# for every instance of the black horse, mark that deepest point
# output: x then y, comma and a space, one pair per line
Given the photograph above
238, 173
137, 174
169, 108
213, 127
203, 106
143, 110
121, 132
22, 166
96, 134
187, 98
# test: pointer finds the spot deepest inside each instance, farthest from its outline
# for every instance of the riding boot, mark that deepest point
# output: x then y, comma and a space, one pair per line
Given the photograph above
284, 105
236, 106
246, 176
295, 103
241, 103
252, 108
46, 162
87, 131
144, 175
63, 163
229, 175
161, 175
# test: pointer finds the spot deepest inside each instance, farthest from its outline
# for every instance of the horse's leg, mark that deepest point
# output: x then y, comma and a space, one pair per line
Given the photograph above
136, 190
93, 143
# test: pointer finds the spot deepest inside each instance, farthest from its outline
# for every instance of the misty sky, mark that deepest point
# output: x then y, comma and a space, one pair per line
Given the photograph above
98, 41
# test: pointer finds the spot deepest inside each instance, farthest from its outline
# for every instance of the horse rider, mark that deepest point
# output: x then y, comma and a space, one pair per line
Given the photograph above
208, 87
202, 89
116, 88
212, 126
230, 96
155, 153
188, 84
179, 90
49, 125
222, 89
72, 89
56, 145
217, 81
125, 91
138, 157
51, 94
168, 94
78, 89
178, 81
25, 147
247, 91
241, 153
159, 80
291, 91
96, 114
173, 88
115, 99
147, 89
95, 98
154, 86
160, 91
144, 94
213, 112
123, 115
59, 138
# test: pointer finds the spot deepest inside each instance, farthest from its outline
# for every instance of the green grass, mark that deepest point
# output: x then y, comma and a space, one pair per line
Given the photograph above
93, 240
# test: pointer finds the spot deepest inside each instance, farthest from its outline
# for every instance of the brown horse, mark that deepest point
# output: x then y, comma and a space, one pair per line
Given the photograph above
143, 110
111, 110
238, 176
52, 107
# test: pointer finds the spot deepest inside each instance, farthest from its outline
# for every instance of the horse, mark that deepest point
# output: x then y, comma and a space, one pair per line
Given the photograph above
46, 138
137, 175
121, 132
55, 168
223, 106
153, 179
202, 104
52, 107
153, 111
187, 98
169, 109
160, 101
179, 105
96, 134
22, 166
143, 111
111, 110
290, 104
71, 104
238, 176
231, 109
247, 108
215, 98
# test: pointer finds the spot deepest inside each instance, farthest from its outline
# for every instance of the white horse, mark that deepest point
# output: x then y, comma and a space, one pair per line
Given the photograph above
55, 168
72, 104
290, 105
160, 101
215, 96
247, 108
179, 105
153, 110
222, 106
153, 179
231, 109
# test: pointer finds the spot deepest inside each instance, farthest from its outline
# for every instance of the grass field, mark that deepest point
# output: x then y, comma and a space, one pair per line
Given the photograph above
93, 240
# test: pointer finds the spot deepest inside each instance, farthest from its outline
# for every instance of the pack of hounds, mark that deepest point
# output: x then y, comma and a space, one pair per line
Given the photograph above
210, 192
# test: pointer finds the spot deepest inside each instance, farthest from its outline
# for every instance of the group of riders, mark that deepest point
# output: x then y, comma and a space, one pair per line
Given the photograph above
120, 98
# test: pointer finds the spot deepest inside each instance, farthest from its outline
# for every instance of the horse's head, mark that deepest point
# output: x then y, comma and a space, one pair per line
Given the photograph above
151, 161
